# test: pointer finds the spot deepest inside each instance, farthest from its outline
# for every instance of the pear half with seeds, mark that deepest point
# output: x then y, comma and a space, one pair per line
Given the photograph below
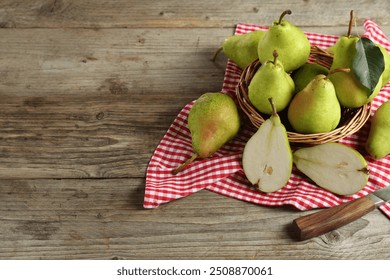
333, 166
267, 156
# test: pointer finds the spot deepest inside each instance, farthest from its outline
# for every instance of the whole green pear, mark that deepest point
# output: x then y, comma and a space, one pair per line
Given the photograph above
331, 49
271, 81
386, 72
213, 120
378, 141
242, 49
288, 40
350, 91
304, 74
315, 109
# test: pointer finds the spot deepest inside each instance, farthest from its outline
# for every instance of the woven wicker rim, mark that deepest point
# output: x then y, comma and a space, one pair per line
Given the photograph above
351, 121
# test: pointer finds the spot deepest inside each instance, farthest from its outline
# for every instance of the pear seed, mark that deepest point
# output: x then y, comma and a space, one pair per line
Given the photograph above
342, 164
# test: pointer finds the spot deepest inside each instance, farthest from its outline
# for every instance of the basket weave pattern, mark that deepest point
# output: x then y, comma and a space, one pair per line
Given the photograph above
351, 119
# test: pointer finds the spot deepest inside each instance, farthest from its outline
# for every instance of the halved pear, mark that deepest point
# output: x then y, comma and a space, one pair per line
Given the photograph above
267, 156
333, 166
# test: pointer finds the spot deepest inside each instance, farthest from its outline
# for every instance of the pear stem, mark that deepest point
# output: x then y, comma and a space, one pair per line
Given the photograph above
286, 12
271, 101
182, 166
346, 70
214, 57
351, 21
275, 54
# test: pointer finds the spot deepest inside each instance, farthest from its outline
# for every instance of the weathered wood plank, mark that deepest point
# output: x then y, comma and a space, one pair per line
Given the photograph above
40, 62
96, 107
174, 13
60, 136
104, 219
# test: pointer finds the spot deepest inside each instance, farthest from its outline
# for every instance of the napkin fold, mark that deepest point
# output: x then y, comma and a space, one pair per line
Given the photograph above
222, 173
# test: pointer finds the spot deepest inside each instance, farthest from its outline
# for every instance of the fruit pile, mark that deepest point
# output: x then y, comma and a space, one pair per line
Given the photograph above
313, 97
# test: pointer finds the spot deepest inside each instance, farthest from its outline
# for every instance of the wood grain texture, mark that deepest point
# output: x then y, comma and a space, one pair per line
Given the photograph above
175, 13
126, 61
96, 107
88, 89
104, 219
77, 136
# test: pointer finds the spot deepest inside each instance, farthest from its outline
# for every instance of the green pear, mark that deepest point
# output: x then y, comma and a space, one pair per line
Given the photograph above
378, 141
242, 49
386, 72
333, 166
315, 109
288, 40
331, 49
350, 91
304, 74
267, 156
271, 80
213, 120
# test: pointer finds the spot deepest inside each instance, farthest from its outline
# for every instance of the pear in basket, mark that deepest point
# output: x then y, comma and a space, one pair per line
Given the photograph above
213, 120
316, 109
271, 80
306, 73
288, 40
242, 48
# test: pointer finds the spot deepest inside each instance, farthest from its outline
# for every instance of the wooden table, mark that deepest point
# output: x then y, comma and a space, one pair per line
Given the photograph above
88, 89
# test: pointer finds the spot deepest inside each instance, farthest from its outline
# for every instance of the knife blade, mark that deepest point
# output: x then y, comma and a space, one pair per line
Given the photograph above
323, 221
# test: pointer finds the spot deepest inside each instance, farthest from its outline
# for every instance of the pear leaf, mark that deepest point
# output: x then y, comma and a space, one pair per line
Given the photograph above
368, 63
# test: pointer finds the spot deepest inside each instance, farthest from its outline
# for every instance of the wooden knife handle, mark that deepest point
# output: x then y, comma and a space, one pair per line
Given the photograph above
323, 221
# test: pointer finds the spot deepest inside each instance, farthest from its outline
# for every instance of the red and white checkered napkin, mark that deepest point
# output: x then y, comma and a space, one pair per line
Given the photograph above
223, 174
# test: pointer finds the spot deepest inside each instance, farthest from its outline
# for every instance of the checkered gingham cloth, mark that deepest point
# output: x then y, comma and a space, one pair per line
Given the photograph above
223, 174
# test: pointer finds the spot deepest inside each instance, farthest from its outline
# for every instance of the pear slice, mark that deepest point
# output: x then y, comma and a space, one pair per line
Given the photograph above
267, 157
333, 166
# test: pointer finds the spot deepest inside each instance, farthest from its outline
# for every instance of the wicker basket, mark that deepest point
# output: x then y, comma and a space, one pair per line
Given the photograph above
351, 119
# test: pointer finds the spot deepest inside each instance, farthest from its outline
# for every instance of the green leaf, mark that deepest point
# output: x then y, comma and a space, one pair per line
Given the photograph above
368, 63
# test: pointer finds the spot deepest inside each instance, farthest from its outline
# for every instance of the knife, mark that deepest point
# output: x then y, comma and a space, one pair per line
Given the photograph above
323, 221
